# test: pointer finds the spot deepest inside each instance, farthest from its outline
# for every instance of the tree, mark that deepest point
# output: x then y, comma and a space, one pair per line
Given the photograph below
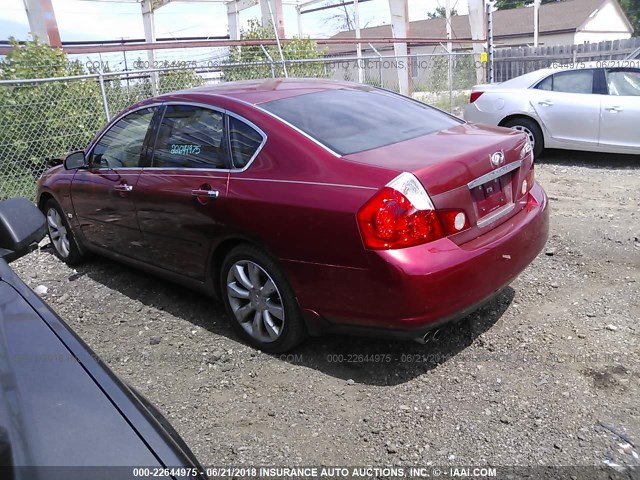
441, 12
173, 80
509, 4
343, 18
632, 10
42, 120
630, 7
298, 48
39, 121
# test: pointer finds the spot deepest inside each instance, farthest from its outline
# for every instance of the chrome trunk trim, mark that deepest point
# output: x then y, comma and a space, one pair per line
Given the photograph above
498, 172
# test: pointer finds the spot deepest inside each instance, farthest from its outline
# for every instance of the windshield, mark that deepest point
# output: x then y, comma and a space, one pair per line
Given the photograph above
350, 121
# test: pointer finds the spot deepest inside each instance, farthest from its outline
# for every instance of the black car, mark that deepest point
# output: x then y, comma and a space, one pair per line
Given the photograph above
63, 413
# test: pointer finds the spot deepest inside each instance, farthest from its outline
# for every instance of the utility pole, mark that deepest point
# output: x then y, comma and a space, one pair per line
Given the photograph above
299, 18
447, 17
489, 11
478, 27
536, 21
399, 11
42, 21
356, 18
126, 67
150, 37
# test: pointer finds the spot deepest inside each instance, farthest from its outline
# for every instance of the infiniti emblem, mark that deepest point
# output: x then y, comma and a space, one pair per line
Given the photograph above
497, 159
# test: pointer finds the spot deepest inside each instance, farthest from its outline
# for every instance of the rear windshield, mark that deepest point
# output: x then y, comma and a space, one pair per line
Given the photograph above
350, 121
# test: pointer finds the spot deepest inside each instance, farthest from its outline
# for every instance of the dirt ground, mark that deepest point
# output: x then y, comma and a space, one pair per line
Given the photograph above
543, 375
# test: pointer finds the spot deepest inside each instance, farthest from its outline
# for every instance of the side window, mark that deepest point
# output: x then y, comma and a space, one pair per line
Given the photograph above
190, 137
546, 84
122, 145
623, 82
575, 81
244, 140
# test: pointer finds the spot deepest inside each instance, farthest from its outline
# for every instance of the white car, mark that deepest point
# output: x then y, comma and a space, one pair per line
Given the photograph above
583, 106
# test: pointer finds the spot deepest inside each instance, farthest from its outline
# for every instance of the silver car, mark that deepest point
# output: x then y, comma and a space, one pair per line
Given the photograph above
583, 106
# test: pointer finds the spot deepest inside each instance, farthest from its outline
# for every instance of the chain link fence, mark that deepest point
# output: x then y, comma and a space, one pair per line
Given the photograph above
42, 119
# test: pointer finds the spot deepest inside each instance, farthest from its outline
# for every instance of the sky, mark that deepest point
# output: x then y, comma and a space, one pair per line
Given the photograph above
97, 20
109, 20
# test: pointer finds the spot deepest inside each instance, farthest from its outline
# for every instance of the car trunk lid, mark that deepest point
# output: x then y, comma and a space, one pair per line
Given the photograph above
455, 166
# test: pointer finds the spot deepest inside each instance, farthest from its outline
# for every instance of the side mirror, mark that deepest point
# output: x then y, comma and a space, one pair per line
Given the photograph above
22, 226
75, 160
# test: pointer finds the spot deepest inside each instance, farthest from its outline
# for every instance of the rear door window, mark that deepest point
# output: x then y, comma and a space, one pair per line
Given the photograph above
190, 137
574, 81
546, 84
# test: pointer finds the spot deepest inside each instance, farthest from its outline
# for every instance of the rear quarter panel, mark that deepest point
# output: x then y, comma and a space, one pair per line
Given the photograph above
495, 105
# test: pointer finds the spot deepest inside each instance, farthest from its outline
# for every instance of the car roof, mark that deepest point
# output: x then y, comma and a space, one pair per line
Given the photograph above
269, 89
528, 79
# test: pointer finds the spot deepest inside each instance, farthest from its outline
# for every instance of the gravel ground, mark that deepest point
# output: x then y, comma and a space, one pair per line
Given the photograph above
543, 375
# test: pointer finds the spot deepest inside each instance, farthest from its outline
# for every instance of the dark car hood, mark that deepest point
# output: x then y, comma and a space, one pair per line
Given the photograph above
59, 406
50, 409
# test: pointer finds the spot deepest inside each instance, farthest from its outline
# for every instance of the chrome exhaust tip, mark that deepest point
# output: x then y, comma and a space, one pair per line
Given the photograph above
430, 336
423, 340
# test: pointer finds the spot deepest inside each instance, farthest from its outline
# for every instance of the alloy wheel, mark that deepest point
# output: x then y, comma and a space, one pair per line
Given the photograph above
58, 232
528, 133
255, 301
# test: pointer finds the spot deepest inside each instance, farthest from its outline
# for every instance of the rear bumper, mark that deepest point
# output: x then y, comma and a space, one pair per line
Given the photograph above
400, 332
409, 291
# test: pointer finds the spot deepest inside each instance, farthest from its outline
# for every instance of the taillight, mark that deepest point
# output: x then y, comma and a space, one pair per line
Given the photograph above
453, 221
474, 96
527, 183
402, 215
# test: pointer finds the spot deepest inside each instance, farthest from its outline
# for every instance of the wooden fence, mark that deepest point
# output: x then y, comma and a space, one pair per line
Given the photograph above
511, 62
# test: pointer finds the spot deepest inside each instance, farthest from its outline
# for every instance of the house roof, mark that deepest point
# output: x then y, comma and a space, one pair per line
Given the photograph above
558, 17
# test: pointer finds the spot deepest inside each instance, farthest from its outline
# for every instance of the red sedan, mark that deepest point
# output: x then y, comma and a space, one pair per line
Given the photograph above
306, 206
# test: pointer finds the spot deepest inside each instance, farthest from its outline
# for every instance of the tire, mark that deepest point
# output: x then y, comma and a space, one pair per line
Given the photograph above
64, 242
532, 130
260, 302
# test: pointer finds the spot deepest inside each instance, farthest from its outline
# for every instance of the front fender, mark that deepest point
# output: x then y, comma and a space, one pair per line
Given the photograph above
56, 183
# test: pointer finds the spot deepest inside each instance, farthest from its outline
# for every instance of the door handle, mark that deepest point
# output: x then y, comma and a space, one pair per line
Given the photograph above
614, 109
545, 103
123, 188
205, 193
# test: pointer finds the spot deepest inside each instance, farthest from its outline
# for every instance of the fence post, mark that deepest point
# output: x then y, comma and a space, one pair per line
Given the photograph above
105, 104
450, 80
